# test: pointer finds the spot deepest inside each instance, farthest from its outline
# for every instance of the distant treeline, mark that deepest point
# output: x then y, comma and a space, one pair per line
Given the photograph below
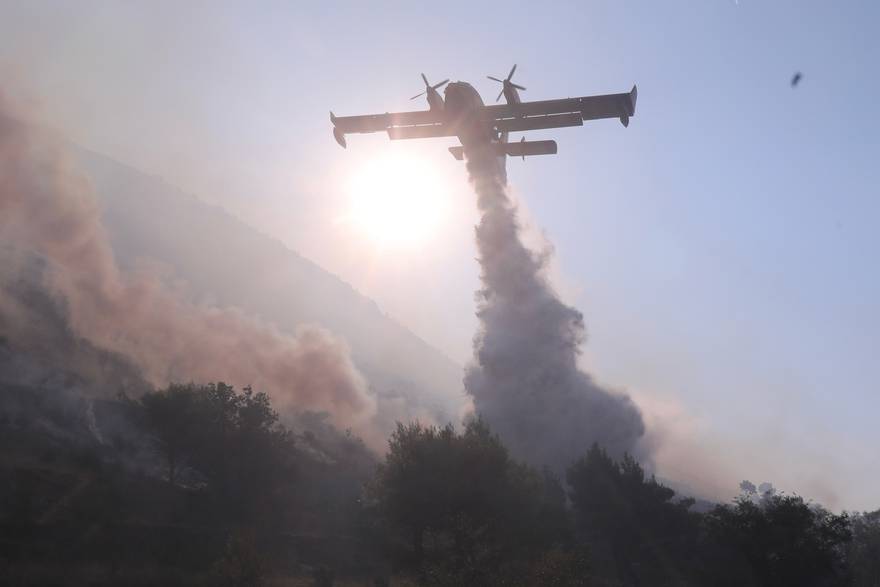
203, 485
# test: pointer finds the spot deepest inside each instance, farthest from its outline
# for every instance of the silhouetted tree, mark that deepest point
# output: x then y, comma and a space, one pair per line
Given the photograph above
242, 565
863, 554
171, 416
232, 438
781, 540
463, 491
453, 507
632, 522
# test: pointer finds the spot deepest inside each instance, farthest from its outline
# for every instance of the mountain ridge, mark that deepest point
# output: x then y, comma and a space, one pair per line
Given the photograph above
213, 257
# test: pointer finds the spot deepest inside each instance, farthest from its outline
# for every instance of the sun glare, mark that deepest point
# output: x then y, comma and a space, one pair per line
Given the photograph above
397, 200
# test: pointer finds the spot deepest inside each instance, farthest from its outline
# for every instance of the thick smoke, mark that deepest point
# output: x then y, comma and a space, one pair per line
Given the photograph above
48, 210
525, 380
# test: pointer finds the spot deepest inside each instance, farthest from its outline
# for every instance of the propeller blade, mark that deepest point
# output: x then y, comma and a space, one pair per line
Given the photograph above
495, 79
435, 86
517, 86
417, 95
426, 80
510, 75
501, 93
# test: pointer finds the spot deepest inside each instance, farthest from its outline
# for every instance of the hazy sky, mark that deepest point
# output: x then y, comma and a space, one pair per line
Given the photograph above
722, 248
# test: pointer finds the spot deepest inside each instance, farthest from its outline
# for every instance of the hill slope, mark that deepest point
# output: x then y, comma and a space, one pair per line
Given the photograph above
219, 259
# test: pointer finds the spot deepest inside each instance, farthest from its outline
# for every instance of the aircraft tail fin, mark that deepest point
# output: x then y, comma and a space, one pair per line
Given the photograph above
339, 136
631, 110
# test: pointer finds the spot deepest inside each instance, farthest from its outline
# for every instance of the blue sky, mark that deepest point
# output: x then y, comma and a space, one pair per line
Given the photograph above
722, 248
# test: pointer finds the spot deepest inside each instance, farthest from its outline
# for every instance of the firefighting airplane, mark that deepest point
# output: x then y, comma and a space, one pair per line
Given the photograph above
464, 115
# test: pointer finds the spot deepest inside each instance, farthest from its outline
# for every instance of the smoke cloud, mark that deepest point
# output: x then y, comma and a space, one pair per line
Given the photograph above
525, 380
48, 209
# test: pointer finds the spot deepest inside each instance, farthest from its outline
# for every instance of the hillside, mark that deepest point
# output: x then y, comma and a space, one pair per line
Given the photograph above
217, 258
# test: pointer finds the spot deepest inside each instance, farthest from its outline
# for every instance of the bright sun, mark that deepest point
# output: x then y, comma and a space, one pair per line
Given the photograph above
397, 200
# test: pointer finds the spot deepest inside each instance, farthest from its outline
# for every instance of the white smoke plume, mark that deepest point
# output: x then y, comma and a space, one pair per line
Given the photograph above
525, 380
48, 209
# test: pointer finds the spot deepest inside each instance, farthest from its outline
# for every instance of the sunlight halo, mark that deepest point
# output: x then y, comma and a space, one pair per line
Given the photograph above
397, 199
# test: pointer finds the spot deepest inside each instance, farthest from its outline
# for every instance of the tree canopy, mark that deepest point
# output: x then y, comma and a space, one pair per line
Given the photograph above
210, 485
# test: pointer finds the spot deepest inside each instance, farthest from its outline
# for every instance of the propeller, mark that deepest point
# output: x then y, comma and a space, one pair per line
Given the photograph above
506, 82
428, 86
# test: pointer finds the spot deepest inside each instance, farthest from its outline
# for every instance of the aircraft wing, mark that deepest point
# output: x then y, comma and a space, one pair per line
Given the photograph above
559, 113
398, 125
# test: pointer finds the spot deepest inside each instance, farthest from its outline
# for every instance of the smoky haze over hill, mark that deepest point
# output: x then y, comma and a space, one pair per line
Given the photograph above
182, 291
213, 257
48, 213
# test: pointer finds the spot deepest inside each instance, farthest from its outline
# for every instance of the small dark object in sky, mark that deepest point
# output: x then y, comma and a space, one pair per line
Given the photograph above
796, 79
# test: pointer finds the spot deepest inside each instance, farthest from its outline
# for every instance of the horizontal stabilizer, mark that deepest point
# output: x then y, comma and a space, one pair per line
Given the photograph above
529, 148
520, 149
